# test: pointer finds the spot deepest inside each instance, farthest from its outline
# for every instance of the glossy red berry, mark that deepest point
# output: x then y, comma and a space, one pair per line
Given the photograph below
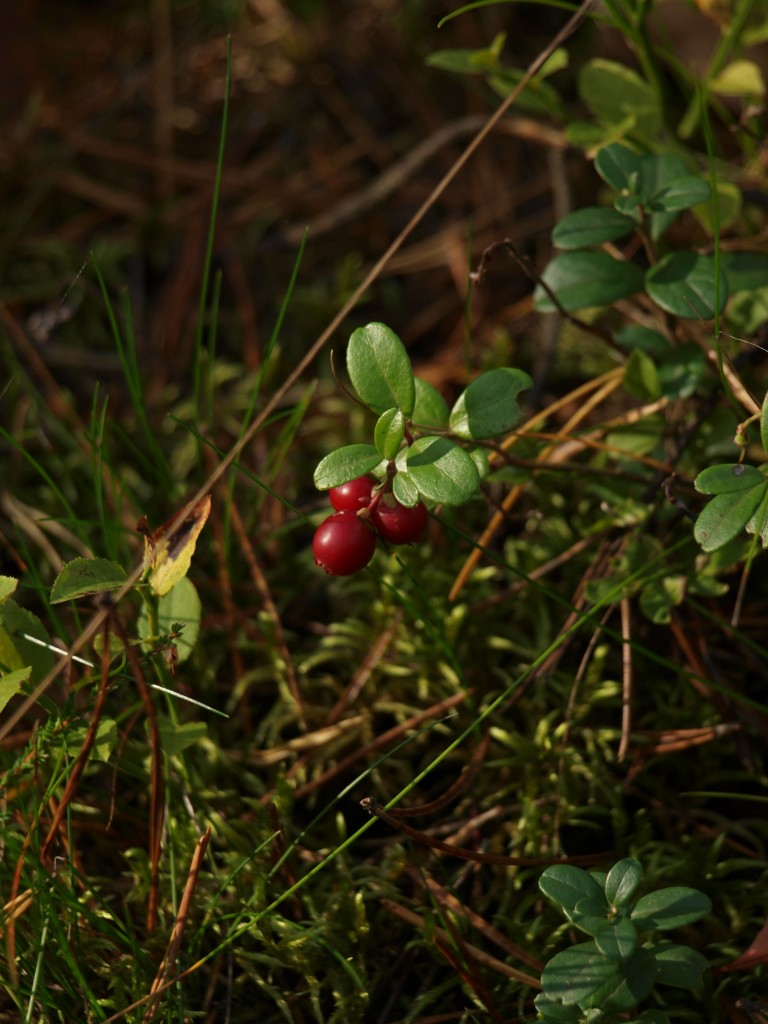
353, 495
397, 524
343, 544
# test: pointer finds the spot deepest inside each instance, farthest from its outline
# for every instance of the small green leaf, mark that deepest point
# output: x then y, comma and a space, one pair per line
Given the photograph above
553, 1010
614, 92
16, 652
442, 471
104, 741
682, 194
729, 202
380, 369
345, 464
587, 278
405, 490
725, 516
177, 736
758, 523
487, 407
681, 370
180, 606
678, 965
11, 683
567, 886
660, 172
670, 908
430, 409
84, 576
727, 478
616, 939
622, 881
620, 167
659, 597
739, 78
573, 975
683, 283
592, 225
480, 458
590, 914
641, 378
389, 432
7, 586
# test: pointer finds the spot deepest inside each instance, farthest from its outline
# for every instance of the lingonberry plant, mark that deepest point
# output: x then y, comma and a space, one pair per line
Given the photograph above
422, 452
606, 978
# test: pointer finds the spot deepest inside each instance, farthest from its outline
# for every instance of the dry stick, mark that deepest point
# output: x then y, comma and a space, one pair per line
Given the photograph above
365, 669
627, 678
92, 628
453, 790
177, 935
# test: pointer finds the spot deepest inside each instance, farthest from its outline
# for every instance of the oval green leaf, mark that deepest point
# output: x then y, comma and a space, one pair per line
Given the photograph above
573, 975
678, 965
614, 92
681, 194
670, 908
487, 407
442, 471
380, 369
619, 167
725, 516
389, 432
405, 490
345, 464
727, 478
84, 576
16, 651
592, 225
616, 939
632, 983
683, 283
567, 886
622, 881
746, 271
181, 606
430, 408
585, 278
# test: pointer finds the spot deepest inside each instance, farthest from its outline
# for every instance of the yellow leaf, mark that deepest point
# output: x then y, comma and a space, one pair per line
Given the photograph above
739, 78
173, 556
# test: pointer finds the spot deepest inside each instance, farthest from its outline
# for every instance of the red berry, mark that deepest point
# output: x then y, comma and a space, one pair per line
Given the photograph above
353, 495
343, 544
398, 524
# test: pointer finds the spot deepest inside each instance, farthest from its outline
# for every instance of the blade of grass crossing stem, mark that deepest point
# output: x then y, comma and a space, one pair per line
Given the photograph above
126, 350
208, 260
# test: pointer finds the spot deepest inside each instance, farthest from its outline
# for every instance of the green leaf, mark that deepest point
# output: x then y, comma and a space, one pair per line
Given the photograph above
641, 378
682, 370
573, 975
405, 490
683, 283
566, 886
430, 409
659, 597
442, 471
380, 370
758, 523
84, 576
678, 965
670, 908
621, 168
480, 458
586, 278
389, 432
16, 652
590, 913
553, 1010
104, 741
632, 983
764, 423
643, 338
746, 271
617, 938
622, 881
727, 478
725, 516
682, 194
591, 226
11, 683
660, 172
729, 201
7, 586
180, 606
345, 464
614, 93
487, 407
177, 736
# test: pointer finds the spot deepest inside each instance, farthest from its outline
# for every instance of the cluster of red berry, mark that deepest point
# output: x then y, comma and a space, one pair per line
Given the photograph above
344, 542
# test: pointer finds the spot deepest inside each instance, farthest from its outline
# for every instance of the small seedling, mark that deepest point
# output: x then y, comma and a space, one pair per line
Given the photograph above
605, 979
423, 453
